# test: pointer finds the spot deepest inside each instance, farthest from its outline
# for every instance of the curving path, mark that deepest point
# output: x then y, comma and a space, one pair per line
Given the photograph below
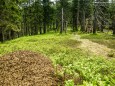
95, 48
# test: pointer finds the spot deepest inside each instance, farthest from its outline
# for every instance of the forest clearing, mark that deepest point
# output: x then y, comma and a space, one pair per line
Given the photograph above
57, 42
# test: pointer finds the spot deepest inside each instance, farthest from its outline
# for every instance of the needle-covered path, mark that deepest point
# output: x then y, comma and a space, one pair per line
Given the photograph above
93, 47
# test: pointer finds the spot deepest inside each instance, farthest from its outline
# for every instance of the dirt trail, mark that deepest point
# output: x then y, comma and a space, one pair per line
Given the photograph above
26, 68
95, 48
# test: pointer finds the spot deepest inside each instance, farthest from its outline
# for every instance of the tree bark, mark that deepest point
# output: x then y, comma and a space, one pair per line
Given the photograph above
44, 24
61, 30
1, 35
56, 26
113, 26
113, 31
94, 22
83, 21
77, 19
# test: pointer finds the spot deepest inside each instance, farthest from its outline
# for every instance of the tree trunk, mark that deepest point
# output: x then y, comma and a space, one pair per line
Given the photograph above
113, 31
102, 26
113, 26
61, 30
40, 30
94, 26
2, 38
1, 35
77, 19
94, 23
56, 26
66, 23
44, 27
12, 34
9, 34
83, 21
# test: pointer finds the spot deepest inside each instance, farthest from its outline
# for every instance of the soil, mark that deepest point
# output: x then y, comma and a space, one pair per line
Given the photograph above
26, 68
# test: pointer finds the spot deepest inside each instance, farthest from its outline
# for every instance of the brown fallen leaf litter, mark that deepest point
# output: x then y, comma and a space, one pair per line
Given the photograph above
26, 68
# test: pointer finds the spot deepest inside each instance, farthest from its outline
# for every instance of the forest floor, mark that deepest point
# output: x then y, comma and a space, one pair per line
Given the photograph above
56, 60
95, 48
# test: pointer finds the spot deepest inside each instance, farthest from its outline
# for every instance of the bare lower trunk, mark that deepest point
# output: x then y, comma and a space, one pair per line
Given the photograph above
83, 21
56, 26
2, 38
44, 27
77, 20
113, 25
114, 31
61, 30
66, 24
94, 23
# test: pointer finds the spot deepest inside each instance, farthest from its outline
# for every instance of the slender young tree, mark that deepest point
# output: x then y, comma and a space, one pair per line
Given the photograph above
65, 14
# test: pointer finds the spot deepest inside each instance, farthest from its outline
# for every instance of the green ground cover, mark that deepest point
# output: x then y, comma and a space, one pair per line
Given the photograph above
78, 67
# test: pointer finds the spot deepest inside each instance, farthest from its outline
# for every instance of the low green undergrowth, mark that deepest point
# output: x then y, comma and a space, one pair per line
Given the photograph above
77, 66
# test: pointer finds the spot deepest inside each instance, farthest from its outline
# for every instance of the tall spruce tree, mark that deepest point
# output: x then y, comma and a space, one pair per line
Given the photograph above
10, 19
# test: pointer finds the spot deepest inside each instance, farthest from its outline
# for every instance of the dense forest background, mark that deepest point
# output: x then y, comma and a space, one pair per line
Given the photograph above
31, 17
